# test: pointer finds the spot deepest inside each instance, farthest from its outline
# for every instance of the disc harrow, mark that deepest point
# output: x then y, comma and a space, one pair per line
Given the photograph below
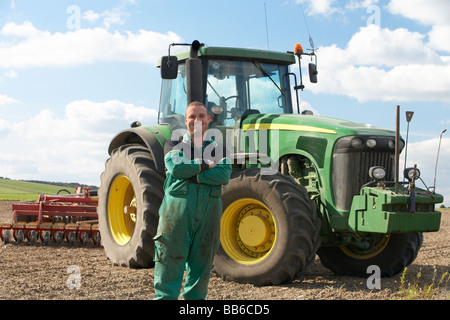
69, 217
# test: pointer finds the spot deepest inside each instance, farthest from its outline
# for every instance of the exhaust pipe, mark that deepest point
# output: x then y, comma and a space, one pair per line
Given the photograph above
194, 75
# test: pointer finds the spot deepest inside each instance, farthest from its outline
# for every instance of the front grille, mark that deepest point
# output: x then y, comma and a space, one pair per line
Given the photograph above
351, 169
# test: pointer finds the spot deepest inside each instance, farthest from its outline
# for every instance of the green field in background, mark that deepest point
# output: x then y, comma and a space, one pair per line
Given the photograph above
27, 191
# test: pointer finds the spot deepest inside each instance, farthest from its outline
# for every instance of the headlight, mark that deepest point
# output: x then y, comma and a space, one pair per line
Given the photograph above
371, 143
391, 144
377, 173
356, 142
409, 172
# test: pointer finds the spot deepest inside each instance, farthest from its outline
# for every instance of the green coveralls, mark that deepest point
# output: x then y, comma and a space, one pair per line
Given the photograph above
188, 233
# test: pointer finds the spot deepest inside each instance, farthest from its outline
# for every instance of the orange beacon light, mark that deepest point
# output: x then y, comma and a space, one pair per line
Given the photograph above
298, 49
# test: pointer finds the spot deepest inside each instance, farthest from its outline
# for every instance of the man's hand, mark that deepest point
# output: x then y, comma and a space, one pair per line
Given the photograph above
211, 163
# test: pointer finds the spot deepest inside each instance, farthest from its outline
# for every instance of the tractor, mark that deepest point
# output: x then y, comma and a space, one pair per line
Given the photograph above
301, 184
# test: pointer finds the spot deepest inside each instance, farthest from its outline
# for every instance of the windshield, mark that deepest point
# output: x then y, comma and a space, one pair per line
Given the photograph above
174, 100
236, 86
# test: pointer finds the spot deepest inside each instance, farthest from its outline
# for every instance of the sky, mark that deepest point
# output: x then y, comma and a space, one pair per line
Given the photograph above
75, 73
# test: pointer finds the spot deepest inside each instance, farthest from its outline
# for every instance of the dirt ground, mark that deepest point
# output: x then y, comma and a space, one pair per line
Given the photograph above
36, 272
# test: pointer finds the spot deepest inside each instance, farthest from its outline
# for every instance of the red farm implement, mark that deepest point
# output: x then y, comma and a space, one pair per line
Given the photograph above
70, 217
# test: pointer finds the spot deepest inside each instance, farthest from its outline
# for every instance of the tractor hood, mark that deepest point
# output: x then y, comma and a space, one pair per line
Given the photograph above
311, 123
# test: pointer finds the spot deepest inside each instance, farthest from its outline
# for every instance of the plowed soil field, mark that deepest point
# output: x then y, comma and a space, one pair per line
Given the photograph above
69, 273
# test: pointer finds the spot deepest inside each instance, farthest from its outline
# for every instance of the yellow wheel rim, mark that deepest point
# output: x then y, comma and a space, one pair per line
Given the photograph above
248, 231
121, 210
367, 254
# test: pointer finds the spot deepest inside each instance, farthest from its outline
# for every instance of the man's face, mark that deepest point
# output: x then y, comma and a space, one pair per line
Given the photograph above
197, 120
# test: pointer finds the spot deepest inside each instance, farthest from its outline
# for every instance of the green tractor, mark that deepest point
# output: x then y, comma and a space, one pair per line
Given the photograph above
301, 184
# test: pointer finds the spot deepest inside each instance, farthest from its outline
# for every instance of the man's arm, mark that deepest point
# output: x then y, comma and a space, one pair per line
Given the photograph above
179, 165
218, 175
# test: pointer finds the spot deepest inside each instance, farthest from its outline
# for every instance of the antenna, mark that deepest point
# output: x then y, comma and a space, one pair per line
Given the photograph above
267, 27
437, 158
311, 42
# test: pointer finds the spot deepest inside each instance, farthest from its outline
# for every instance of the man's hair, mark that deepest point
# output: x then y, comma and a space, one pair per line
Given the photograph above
195, 103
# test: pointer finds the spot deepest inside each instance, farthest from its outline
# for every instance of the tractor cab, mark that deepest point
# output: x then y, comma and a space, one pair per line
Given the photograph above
232, 83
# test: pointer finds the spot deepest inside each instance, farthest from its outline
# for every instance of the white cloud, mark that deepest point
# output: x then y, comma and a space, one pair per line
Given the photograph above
424, 154
4, 100
72, 147
320, 7
439, 38
24, 30
430, 12
117, 15
81, 46
329, 7
91, 16
356, 4
11, 74
386, 65
377, 46
304, 105
434, 13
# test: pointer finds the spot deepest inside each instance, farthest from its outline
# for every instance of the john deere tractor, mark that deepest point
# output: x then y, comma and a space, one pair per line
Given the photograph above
301, 185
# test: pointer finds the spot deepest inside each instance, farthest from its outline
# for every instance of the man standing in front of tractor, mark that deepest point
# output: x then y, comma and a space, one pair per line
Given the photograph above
189, 217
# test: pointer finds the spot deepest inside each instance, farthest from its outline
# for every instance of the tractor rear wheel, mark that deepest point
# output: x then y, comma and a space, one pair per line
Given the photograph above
270, 230
390, 252
130, 194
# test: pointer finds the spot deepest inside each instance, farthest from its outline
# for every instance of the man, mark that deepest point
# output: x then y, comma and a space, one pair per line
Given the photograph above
189, 224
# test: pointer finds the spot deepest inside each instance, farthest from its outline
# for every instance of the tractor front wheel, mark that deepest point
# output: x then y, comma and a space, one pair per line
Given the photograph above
270, 229
390, 252
130, 194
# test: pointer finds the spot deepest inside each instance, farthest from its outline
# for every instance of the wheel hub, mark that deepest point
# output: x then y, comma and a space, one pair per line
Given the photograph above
255, 230
248, 231
366, 250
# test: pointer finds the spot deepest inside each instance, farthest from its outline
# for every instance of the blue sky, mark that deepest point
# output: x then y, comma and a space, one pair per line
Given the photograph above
74, 73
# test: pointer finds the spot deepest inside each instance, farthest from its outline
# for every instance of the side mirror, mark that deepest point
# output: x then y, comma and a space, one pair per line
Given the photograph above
169, 67
312, 73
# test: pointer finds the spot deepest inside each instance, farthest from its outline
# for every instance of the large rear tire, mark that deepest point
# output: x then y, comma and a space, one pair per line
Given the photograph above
270, 230
130, 195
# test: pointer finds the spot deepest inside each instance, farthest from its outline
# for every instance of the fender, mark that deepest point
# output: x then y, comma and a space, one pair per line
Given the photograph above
150, 137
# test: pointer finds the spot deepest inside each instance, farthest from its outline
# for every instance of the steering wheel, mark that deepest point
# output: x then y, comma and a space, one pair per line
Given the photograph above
235, 112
